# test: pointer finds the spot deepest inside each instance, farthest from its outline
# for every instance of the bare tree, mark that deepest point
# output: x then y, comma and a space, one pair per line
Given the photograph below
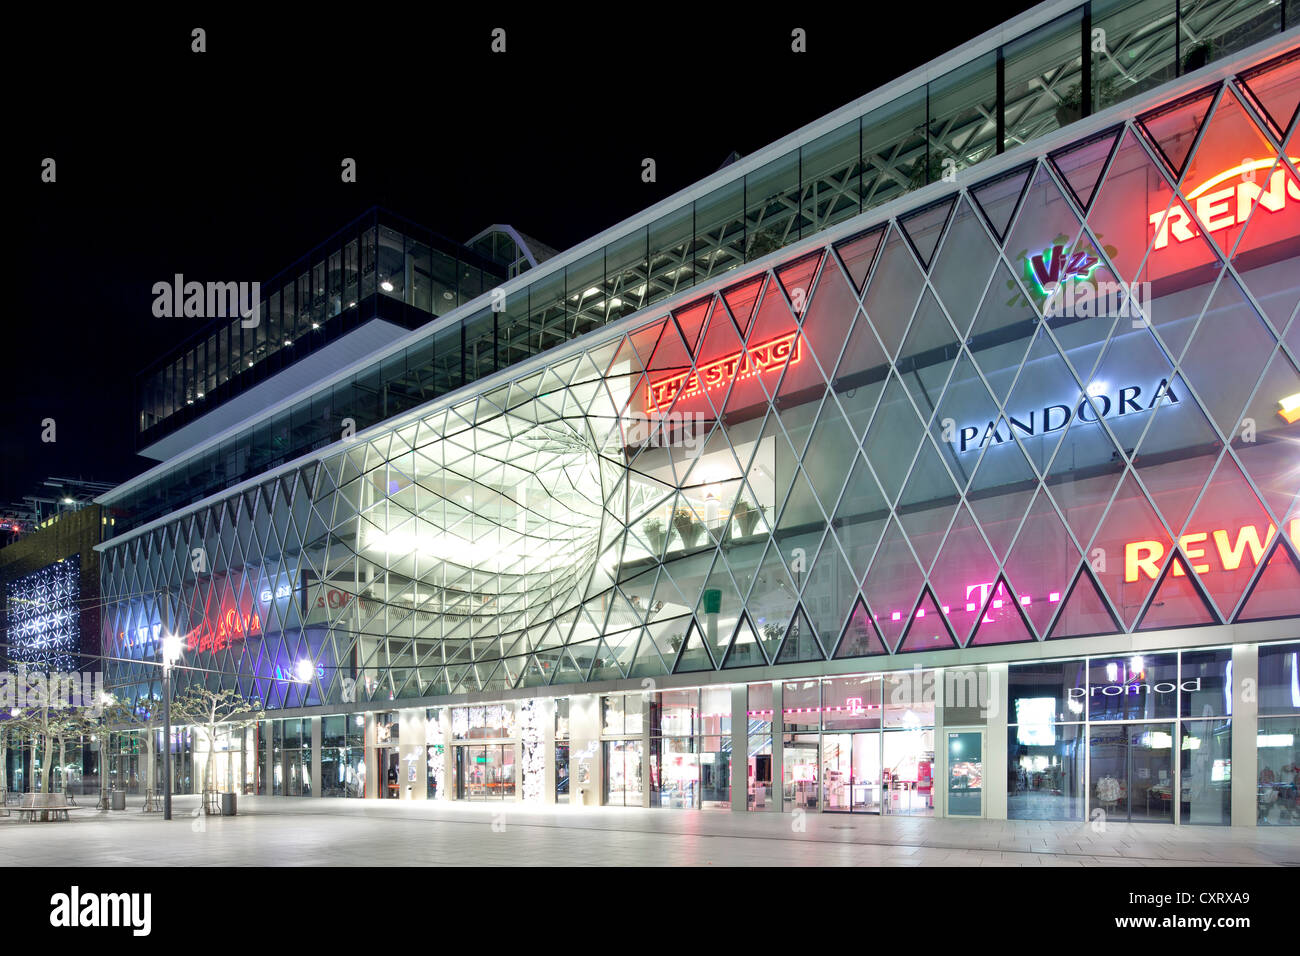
208, 710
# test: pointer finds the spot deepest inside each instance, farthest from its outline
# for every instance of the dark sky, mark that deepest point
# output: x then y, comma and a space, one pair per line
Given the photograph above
225, 165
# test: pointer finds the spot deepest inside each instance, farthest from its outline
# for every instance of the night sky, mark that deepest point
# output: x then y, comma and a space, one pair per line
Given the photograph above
225, 165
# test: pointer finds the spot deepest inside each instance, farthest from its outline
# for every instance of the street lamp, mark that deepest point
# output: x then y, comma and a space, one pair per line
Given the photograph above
171, 653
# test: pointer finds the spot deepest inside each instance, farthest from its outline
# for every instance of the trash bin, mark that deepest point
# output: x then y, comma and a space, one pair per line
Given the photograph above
229, 804
118, 800
582, 796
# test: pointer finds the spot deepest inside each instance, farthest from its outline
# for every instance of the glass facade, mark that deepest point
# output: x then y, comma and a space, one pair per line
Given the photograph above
1278, 737
323, 296
1101, 733
908, 439
1056, 402
1026, 89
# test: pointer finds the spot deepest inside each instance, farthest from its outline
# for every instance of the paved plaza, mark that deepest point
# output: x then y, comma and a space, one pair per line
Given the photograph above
305, 832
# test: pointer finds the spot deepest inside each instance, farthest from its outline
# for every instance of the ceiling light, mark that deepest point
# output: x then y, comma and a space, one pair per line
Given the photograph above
386, 286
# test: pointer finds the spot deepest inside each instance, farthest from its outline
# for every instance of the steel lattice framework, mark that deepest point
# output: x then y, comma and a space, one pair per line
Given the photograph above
835, 456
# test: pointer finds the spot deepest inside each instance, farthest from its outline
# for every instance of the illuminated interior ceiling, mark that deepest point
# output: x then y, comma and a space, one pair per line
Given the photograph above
518, 499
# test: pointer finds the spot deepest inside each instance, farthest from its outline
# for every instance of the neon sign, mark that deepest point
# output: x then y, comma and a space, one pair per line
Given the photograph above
1219, 208
231, 626
1053, 266
1143, 557
1289, 409
763, 357
283, 591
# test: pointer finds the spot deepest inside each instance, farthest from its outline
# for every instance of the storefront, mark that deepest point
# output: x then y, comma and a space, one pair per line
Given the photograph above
1034, 425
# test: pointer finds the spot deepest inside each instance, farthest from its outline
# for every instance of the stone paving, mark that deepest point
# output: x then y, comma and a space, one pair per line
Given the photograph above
305, 832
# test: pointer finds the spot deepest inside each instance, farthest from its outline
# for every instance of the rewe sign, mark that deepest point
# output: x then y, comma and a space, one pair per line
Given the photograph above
1220, 202
1144, 557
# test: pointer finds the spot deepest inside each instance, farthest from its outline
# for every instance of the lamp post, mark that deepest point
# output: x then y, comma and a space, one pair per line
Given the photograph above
171, 652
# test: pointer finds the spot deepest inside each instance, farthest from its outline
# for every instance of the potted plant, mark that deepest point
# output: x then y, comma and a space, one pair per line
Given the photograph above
1199, 55
1070, 108
675, 642
654, 532
923, 172
763, 242
688, 529
746, 516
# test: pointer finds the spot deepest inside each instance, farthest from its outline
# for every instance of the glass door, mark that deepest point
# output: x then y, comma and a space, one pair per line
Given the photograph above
1151, 762
1131, 772
799, 772
837, 772
866, 772
503, 772
966, 773
623, 774
561, 773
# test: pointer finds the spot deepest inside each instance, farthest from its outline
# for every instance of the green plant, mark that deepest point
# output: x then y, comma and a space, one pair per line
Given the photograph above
688, 529
654, 532
746, 516
1199, 55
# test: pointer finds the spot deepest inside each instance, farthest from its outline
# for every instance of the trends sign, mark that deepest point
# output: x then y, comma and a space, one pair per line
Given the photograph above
1053, 418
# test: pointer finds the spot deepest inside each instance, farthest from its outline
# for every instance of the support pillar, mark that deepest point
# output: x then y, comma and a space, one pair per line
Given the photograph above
317, 785
778, 747
739, 747
1245, 732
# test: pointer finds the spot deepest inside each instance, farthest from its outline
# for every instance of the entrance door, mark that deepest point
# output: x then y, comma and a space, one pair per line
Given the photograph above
561, 773
799, 771
1131, 773
390, 773
966, 773
623, 774
851, 772
866, 772
837, 772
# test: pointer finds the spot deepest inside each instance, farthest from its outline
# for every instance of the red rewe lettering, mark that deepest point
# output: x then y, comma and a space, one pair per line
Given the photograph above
1220, 203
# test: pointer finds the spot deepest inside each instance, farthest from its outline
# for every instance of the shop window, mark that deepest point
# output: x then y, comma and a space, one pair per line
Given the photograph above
1045, 768
1205, 683
851, 703
758, 772
1278, 756
1133, 687
1279, 679
1206, 755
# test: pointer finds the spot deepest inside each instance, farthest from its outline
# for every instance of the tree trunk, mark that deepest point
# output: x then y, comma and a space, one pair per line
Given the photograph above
150, 747
63, 763
47, 770
208, 770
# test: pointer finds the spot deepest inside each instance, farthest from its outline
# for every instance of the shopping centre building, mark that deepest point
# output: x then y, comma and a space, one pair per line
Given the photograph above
941, 458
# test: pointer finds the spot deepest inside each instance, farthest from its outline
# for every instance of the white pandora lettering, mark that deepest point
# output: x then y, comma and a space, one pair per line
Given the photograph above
75, 909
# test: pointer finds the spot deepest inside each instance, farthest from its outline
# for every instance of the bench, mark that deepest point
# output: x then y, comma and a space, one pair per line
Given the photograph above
50, 806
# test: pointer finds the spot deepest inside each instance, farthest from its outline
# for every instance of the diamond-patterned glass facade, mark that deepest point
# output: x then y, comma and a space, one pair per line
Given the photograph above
1060, 401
